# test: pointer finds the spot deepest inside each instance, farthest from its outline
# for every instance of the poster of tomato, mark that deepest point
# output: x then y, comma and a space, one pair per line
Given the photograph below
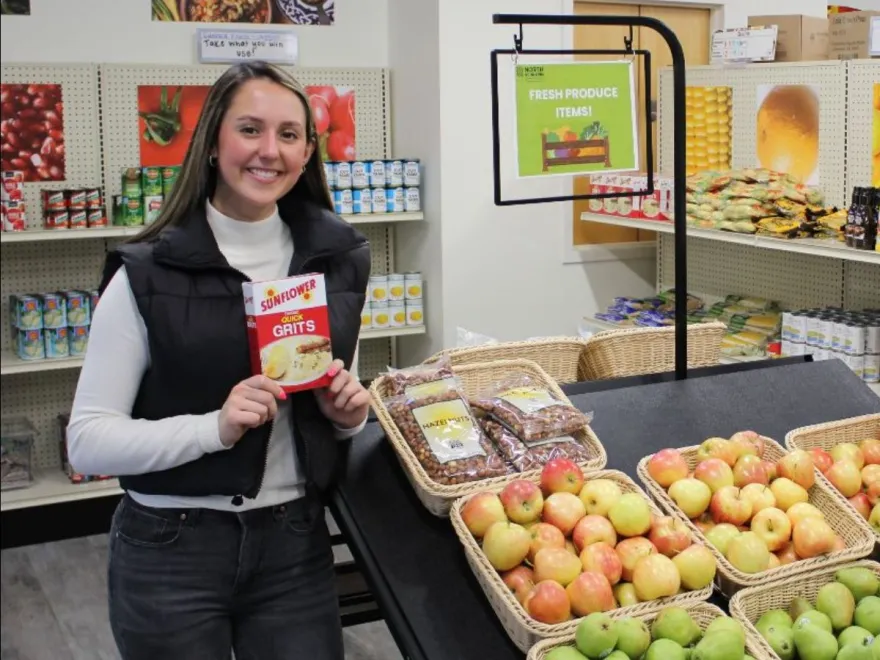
333, 108
167, 117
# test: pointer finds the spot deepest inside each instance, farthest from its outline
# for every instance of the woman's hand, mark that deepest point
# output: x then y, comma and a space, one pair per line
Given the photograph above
250, 404
345, 402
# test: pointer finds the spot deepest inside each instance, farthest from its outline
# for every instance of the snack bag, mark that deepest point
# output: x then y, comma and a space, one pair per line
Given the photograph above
423, 379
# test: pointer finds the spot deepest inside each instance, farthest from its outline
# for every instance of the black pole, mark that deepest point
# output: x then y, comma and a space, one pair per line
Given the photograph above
679, 170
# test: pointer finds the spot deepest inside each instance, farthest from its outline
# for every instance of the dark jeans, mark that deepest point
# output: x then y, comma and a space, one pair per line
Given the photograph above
196, 584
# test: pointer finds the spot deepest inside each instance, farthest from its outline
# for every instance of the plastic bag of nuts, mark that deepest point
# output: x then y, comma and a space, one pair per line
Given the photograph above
532, 456
422, 379
445, 437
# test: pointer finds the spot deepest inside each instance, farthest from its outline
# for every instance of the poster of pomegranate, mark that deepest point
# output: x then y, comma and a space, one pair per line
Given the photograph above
32, 131
333, 108
167, 117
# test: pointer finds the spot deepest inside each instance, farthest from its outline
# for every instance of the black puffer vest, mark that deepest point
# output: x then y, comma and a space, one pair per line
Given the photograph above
192, 304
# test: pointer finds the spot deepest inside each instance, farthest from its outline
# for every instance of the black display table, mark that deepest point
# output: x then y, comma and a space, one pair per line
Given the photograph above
415, 567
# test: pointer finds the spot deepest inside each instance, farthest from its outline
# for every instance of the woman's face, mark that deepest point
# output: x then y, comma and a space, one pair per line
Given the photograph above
261, 150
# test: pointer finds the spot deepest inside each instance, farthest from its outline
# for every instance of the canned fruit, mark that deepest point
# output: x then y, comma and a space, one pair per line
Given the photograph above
394, 173
54, 308
414, 314
57, 342
151, 181
27, 312
395, 200
32, 131
78, 341
413, 286
378, 288
411, 173
330, 174
396, 314
381, 315
396, 287
29, 344
78, 308
367, 317
343, 176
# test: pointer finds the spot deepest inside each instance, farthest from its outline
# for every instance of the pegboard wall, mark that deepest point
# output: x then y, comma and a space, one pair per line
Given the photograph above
862, 77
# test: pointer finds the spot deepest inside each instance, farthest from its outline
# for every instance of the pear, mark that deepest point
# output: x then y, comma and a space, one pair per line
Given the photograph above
854, 635
617, 655
564, 653
596, 635
781, 640
859, 580
813, 642
728, 624
665, 649
868, 614
855, 652
875, 648
799, 606
676, 624
816, 618
719, 645
776, 618
837, 602
633, 638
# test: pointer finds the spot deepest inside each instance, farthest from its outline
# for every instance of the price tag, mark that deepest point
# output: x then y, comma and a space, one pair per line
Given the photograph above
228, 46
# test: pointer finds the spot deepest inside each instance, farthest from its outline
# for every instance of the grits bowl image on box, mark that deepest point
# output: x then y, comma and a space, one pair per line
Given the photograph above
289, 331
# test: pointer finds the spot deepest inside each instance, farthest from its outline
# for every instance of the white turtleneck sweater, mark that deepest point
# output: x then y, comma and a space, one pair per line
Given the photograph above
102, 437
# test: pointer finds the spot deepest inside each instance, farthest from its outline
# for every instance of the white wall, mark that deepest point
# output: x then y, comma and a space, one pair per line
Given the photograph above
121, 31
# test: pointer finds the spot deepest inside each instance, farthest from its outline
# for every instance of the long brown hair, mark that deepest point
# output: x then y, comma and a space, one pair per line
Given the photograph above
198, 178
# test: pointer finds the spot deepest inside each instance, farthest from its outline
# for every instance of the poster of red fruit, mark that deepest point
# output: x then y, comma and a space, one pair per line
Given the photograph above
167, 117
333, 108
32, 131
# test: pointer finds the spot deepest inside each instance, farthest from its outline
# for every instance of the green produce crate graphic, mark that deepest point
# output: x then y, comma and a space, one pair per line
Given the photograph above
555, 154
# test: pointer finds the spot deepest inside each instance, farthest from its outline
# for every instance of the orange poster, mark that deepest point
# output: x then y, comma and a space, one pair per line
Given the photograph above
167, 117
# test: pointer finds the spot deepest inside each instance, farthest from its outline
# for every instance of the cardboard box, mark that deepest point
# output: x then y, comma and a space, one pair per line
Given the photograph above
850, 35
289, 331
799, 39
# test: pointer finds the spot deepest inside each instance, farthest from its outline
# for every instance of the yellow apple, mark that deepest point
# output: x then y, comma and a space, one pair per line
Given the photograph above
788, 493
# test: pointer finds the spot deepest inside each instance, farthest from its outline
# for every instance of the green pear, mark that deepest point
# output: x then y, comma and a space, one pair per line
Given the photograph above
816, 618
781, 640
776, 618
868, 614
596, 635
799, 606
719, 645
676, 624
859, 580
564, 653
617, 655
633, 638
854, 635
855, 652
837, 602
875, 648
728, 624
665, 649
813, 642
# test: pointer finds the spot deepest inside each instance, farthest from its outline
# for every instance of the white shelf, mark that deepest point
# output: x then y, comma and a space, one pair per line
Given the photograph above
375, 218
393, 332
812, 246
53, 487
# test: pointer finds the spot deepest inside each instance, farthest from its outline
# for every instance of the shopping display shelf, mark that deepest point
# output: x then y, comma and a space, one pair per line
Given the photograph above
812, 246
51, 486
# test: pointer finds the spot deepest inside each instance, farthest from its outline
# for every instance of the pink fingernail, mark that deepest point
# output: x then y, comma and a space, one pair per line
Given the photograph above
283, 395
332, 372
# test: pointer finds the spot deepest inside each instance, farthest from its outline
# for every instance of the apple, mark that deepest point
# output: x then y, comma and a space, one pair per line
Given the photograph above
631, 515
748, 553
563, 510
691, 495
715, 473
846, 477
787, 555
630, 551
602, 558
874, 519
788, 493
802, 510
599, 495
744, 448
562, 475
759, 495
547, 602
812, 537
506, 545
704, 523
720, 536
655, 576
848, 450
838, 545
590, 592
556, 564
861, 503
667, 466
774, 562
749, 469
522, 500
773, 527
771, 469
718, 448
544, 535
593, 529
519, 580
669, 536
821, 459
625, 594
570, 546
871, 451
873, 493
481, 511
799, 467
729, 507
753, 438
870, 474
696, 566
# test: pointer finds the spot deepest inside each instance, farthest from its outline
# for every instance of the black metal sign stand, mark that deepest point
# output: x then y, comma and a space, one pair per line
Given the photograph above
679, 165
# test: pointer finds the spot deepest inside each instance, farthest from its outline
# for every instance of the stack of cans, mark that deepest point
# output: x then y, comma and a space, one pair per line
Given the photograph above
374, 186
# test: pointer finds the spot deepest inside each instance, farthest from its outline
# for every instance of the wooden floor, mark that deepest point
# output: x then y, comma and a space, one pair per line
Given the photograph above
53, 606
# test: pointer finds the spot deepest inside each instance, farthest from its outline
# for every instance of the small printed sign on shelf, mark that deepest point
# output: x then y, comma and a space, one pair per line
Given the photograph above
229, 46
750, 44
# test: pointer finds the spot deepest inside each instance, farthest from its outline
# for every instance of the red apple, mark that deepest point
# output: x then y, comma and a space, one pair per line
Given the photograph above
570, 546
602, 558
590, 592
691, 495
821, 459
873, 492
749, 469
561, 475
696, 566
704, 523
871, 451
801, 510
715, 473
630, 551
544, 535
787, 555
599, 495
481, 511
655, 576
547, 602
862, 504
728, 506
813, 537
522, 500
846, 477
718, 448
798, 466
506, 545
593, 529
520, 581
848, 450
870, 474
667, 466
759, 495
563, 510
773, 526
752, 438
669, 536
556, 564
748, 553
771, 469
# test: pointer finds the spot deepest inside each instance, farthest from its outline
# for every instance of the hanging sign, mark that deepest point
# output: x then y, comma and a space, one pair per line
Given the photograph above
575, 118
227, 46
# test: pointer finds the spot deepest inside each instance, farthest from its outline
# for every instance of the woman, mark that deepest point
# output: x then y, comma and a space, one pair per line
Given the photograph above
220, 542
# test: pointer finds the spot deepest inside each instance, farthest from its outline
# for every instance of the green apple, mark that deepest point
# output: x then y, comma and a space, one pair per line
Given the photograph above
564, 653
596, 635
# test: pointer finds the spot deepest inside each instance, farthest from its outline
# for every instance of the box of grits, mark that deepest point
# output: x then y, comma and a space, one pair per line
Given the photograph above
289, 330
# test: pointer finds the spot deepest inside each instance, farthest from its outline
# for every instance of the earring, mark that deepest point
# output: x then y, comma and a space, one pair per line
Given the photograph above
212, 160
304, 169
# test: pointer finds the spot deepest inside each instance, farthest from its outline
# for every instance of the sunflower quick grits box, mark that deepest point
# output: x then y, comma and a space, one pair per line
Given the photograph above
289, 331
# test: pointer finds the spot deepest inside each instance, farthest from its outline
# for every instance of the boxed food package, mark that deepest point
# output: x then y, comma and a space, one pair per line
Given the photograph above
17, 436
799, 39
850, 35
289, 330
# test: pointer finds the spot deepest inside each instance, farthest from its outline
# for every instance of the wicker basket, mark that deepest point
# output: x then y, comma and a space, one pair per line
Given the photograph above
702, 613
523, 629
843, 519
825, 436
475, 378
558, 356
640, 351
749, 604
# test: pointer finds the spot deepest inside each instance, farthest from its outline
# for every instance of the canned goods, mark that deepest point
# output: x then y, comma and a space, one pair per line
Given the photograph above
815, 336
394, 173
397, 313
395, 200
396, 286
360, 175
94, 198
344, 201
791, 348
838, 334
378, 288
131, 182
872, 337
152, 208
412, 282
30, 344
54, 200
169, 179
76, 200
330, 174
151, 181
54, 308
78, 338
78, 219
367, 317
14, 216
412, 173
412, 200
27, 312
856, 363
377, 174
57, 342
93, 301
78, 308
415, 314
871, 373
381, 315
96, 217
362, 201
343, 175
55, 220
854, 342
378, 201
132, 211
